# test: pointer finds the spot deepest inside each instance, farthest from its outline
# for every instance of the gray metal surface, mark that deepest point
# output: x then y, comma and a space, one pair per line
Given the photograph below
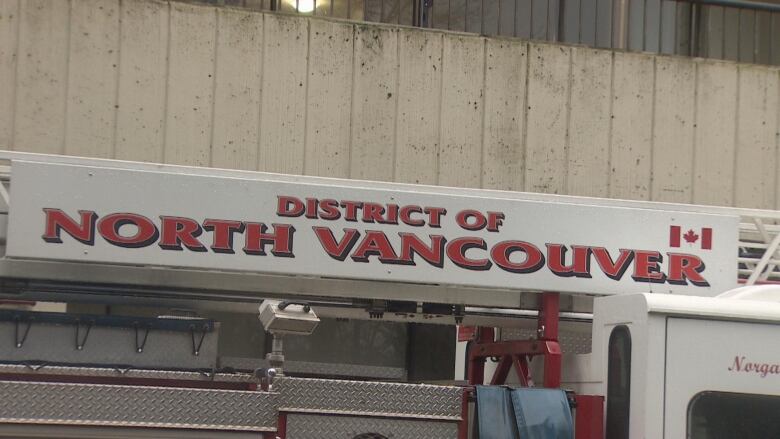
129, 406
309, 426
571, 342
120, 372
319, 369
38, 431
107, 345
363, 398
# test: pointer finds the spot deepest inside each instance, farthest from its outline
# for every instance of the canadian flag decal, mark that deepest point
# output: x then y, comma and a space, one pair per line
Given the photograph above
701, 237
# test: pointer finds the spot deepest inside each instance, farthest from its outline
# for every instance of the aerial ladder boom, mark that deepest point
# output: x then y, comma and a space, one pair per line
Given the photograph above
92, 230
75, 226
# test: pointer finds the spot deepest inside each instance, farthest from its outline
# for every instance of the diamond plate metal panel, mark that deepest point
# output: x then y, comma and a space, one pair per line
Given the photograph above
130, 406
365, 398
571, 342
308, 426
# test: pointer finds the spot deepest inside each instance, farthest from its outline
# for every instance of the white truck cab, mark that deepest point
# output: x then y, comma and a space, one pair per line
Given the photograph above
689, 367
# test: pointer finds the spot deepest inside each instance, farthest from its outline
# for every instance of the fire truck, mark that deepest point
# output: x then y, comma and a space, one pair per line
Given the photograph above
577, 317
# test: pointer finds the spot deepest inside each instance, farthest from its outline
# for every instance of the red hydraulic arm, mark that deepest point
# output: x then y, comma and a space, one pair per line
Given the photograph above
519, 352
589, 413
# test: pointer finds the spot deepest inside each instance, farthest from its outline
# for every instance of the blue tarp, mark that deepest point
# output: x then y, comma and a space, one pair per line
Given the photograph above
542, 414
495, 417
504, 413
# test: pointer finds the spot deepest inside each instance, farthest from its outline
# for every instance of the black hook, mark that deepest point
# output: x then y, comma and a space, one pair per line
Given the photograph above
196, 349
79, 342
18, 342
139, 347
285, 303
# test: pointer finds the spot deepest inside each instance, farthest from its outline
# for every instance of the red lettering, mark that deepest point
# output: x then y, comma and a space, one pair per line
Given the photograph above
57, 221
613, 269
682, 267
289, 206
556, 261
392, 214
311, 208
351, 208
281, 240
411, 245
222, 234
406, 216
372, 213
336, 250
434, 215
494, 220
178, 231
330, 210
456, 251
146, 232
501, 254
737, 366
471, 219
375, 243
646, 267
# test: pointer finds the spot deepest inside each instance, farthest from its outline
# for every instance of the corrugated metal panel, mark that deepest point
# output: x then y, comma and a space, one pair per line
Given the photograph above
92, 78
374, 103
419, 103
673, 129
587, 170
462, 109
9, 31
301, 95
716, 116
547, 118
502, 153
756, 161
632, 122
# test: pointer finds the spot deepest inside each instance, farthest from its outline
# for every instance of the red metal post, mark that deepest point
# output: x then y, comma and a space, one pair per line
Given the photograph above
477, 362
518, 352
521, 368
281, 427
502, 370
589, 417
549, 307
463, 425
548, 331
552, 365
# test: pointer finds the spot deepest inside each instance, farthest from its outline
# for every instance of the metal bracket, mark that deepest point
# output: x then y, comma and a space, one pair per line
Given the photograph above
285, 303
79, 341
19, 342
196, 348
4, 194
139, 346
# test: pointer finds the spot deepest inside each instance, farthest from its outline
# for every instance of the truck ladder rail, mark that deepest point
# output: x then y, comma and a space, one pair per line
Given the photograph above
759, 245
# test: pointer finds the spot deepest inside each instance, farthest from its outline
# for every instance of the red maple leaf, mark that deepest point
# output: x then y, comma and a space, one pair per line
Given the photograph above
691, 237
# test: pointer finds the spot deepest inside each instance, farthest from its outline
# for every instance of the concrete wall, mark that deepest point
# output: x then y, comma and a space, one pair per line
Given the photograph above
180, 83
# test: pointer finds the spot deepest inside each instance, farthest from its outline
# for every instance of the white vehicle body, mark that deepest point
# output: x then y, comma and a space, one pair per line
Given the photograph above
684, 347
